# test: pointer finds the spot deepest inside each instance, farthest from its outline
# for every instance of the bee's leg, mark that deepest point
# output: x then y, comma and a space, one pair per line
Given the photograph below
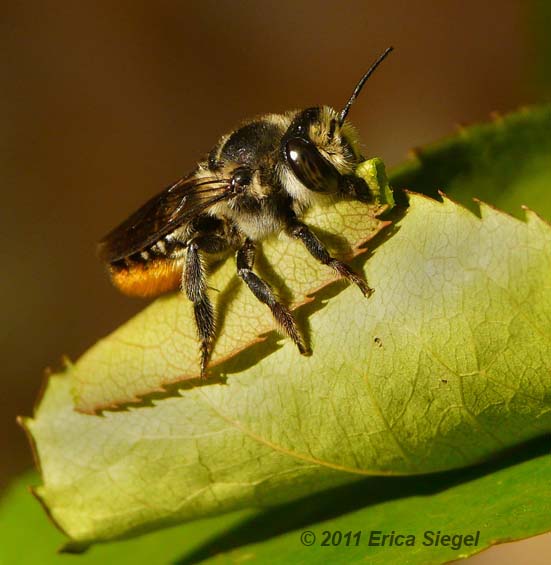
195, 285
301, 231
264, 293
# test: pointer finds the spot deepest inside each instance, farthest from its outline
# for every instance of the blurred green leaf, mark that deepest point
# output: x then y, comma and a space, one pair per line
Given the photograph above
505, 162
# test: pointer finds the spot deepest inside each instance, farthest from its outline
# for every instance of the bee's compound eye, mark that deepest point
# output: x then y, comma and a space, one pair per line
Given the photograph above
241, 178
310, 167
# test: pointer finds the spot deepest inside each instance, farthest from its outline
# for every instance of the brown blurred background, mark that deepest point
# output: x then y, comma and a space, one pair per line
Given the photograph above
104, 103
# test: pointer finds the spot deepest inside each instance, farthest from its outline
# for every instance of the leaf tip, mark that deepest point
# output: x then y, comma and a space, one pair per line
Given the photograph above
533, 217
415, 153
66, 362
462, 128
496, 116
23, 421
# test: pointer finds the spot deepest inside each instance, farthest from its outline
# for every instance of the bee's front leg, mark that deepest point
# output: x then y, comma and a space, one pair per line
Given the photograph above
264, 293
298, 230
194, 282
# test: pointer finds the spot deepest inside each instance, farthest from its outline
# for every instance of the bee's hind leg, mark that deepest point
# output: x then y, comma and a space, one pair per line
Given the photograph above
264, 293
301, 231
194, 283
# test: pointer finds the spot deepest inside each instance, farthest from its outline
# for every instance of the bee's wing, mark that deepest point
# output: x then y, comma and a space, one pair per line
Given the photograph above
174, 206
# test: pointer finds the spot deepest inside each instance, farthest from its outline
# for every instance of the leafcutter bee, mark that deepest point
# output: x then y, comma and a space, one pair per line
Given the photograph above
257, 181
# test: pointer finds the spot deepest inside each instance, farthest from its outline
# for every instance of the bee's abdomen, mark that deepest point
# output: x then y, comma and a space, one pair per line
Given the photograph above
147, 279
150, 272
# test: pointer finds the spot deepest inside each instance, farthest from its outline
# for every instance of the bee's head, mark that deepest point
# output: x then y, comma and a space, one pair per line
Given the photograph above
320, 151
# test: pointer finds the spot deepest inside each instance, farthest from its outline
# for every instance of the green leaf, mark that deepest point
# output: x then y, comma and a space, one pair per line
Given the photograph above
503, 499
446, 365
159, 347
505, 162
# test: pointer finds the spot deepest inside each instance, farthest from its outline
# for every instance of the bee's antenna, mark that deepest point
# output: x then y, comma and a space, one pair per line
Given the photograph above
360, 85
